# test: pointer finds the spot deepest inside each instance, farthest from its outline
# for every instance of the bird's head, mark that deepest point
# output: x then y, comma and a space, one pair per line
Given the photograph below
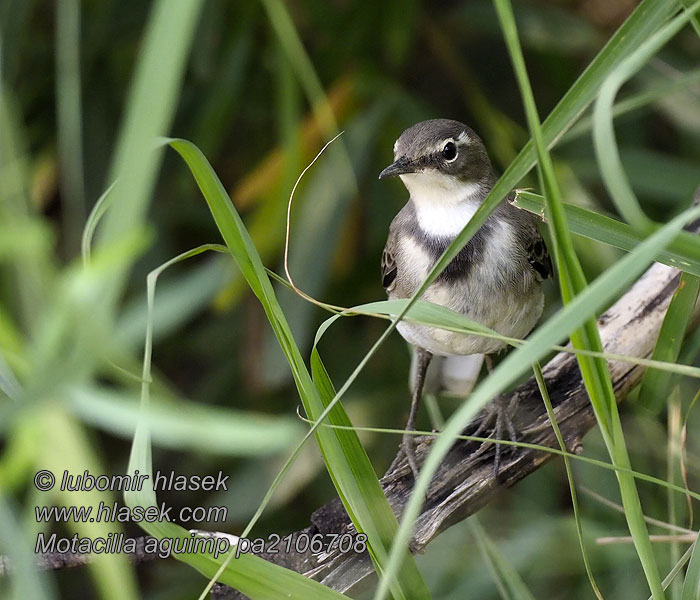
440, 154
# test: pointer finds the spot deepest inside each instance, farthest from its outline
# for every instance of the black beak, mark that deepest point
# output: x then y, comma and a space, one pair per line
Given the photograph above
399, 167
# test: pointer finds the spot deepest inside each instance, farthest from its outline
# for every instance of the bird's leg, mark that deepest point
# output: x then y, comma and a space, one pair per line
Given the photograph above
422, 361
502, 411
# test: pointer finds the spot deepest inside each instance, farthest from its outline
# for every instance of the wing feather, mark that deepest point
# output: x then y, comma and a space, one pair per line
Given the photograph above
538, 257
388, 263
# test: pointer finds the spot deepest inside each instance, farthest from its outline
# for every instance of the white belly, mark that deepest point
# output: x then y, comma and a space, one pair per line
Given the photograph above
513, 318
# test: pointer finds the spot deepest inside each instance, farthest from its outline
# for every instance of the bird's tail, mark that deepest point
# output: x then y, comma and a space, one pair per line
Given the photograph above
452, 374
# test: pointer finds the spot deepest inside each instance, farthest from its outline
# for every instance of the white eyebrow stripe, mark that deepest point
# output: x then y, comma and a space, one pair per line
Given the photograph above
463, 137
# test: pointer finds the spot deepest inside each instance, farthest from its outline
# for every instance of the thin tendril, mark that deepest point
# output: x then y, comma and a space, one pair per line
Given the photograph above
286, 239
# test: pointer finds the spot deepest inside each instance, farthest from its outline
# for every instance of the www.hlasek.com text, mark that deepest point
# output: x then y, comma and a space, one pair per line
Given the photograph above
116, 513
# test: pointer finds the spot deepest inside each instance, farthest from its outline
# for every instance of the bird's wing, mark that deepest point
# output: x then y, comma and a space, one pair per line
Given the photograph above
538, 256
389, 262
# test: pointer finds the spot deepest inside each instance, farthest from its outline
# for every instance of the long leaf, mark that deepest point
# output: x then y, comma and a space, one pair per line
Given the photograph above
691, 585
346, 460
683, 253
594, 371
250, 574
606, 148
507, 578
149, 112
655, 384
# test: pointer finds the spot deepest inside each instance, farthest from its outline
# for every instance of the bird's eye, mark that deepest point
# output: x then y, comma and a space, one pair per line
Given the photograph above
449, 151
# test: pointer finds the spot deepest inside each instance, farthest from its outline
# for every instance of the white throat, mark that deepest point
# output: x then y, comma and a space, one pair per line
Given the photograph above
444, 205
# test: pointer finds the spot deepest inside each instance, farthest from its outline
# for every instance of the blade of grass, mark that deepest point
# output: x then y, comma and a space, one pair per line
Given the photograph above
605, 144
26, 580
682, 561
595, 372
9, 384
542, 385
683, 253
101, 207
299, 59
427, 313
67, 447
347, 462
27, 275
695, 21
185, 426
691, 585
656, 384
635, 102
149, 112
69, 123
585, 459
509, 583
252, 575
181, 298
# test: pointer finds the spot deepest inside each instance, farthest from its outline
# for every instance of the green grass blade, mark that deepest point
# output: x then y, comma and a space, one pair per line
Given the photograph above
509, 582
69, 120
637, 101
299, 59
655, 384
426, 313
682, 561
9, 384
24, 580
186, 426
150, 109
347, 463
607, 152
594, 371
695, 21
101, 207
250, 574
683, 253
67, 447
542, 385
691, 585
661, 483
182, 297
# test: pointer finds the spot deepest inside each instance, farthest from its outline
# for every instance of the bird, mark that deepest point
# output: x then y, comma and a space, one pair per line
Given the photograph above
495, 280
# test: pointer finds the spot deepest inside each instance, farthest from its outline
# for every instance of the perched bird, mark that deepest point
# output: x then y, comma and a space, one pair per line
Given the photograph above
494, 280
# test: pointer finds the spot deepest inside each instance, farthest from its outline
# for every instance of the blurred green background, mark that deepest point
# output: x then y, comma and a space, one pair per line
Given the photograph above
253, 90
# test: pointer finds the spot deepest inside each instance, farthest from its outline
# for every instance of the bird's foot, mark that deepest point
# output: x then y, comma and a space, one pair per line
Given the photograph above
408, 446
499, 420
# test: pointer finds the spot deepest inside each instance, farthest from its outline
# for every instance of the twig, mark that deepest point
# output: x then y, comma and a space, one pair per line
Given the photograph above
687, 538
